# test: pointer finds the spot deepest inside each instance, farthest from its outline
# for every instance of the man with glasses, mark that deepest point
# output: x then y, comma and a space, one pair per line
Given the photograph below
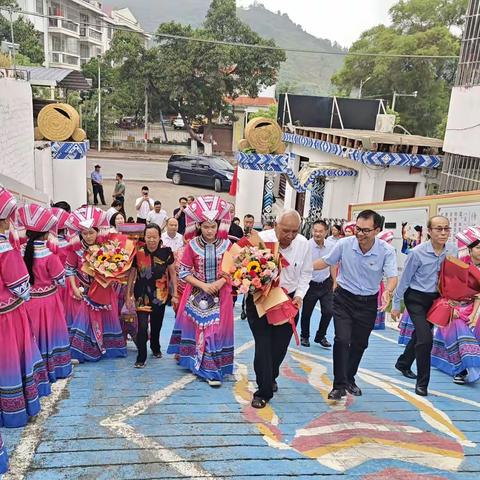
419, 288
364, 262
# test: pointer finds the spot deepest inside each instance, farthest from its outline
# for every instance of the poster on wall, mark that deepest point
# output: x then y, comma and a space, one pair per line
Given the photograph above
461, 216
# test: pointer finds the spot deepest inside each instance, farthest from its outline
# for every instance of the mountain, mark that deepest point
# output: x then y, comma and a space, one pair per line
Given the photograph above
305, 73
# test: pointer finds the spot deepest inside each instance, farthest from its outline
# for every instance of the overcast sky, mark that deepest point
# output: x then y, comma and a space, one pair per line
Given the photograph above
340, 20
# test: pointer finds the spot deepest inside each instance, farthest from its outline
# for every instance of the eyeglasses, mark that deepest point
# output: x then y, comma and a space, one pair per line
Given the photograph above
442, 229
365, 231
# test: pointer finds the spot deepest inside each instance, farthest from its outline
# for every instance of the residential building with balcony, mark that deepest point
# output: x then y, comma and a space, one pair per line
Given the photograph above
74, 31
461, 166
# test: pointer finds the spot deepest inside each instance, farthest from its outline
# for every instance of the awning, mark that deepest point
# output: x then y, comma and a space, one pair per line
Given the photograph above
57, 77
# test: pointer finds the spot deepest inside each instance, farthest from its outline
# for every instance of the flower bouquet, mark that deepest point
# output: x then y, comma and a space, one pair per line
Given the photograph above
255, 269
107, 263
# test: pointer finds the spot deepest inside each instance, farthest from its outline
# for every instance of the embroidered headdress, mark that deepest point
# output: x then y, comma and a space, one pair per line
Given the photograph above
8, 204
468, 236
386, 235
208, 208
37, 219
62, 217
87, 217
349, 226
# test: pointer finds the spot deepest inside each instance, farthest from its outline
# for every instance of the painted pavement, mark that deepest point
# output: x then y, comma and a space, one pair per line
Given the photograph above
111, 421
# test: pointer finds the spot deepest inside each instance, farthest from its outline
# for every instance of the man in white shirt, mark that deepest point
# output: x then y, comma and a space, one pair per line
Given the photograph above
271, 342
171, 238
114, 208
157, 215
144, 205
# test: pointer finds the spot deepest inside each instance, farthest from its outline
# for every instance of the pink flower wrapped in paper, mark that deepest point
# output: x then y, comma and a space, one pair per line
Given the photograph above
108, 263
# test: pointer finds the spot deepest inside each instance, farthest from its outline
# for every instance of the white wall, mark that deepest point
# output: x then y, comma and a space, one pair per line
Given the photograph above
463, 127
16, 131
249, 197
44, 168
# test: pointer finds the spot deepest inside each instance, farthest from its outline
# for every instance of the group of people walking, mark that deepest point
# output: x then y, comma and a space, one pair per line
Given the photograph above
50, 316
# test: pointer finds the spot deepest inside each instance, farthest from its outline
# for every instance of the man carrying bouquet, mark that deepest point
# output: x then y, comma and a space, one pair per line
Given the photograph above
271, 341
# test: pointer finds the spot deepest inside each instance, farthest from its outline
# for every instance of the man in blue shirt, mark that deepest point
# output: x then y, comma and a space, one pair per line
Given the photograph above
320, 289
419, 288
97, 185
364, 261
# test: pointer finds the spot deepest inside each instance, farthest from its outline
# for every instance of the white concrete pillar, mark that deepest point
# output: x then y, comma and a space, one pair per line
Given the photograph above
249, 197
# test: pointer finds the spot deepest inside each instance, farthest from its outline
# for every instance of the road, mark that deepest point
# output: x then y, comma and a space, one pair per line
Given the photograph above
111, 421
132, 170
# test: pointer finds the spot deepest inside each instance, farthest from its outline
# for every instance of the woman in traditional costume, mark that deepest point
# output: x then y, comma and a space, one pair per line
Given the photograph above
456, 347
45, 309
202, 339
95, 329
386, 236
23, 377
151, 280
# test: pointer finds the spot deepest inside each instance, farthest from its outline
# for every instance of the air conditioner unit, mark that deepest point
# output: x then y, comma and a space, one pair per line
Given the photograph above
385, 123
431, 172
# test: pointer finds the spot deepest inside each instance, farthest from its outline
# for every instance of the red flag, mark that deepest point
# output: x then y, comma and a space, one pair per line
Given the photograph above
233, 185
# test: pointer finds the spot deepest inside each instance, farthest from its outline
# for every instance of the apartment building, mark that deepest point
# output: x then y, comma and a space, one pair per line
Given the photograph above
461, 166
74, 31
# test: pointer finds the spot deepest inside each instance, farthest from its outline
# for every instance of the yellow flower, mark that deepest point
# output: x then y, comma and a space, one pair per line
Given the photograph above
103, 258
237, 275
117, 258
254, 265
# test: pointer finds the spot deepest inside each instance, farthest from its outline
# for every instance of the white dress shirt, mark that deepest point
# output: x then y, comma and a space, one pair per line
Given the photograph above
174, 243
296, 277
157, 218
317, 252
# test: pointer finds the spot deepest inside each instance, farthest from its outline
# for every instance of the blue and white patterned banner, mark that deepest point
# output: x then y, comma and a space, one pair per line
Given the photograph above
279, 164
70, 150
367, 158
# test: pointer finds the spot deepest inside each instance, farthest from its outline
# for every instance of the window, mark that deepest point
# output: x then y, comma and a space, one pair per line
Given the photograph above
39, 6
399, 190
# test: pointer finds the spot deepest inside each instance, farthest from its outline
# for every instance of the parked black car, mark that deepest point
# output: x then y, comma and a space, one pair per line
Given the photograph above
204, 171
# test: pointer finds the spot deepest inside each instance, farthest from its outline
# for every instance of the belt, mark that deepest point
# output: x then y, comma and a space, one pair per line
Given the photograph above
361, 298
313, 283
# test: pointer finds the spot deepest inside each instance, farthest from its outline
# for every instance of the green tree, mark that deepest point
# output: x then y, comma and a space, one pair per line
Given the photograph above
195, 77
26, 36
418, 27
270, 112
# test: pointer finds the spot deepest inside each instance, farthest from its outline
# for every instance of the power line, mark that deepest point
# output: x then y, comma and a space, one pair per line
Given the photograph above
249, 45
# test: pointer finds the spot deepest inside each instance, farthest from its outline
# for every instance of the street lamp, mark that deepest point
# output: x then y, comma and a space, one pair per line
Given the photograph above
362, 83
99, 108
395, 95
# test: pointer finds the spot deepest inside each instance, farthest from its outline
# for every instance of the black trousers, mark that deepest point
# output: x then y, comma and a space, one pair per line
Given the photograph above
271, 345
318, 292
354, 318
98, 191
420, 345
156, 322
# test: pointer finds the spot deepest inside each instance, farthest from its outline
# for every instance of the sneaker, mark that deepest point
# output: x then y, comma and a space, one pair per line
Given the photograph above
214, 383
460, 379
304, 342
75, 361
157, 355
139, 365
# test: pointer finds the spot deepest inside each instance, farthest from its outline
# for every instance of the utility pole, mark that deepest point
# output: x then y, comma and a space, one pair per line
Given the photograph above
99, 108
145, 135
13, 43
362, 84
396, 95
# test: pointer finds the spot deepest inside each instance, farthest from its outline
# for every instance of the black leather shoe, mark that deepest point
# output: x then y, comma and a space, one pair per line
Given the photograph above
337, 394
354, 390
422, 391
304, 342
406, 372
323, 342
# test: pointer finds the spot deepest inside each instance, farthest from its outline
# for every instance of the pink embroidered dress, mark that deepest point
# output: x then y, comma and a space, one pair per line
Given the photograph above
95, 330
23, 377
203, 336
46, 312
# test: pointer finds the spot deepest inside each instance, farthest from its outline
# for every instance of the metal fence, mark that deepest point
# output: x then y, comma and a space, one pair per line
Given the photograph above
459, 173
